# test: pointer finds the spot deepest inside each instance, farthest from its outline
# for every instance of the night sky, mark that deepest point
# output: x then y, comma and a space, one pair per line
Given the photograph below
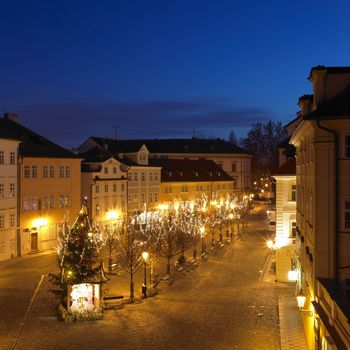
73, 69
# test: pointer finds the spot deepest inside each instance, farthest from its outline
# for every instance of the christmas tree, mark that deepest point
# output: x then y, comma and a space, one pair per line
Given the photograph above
79, 252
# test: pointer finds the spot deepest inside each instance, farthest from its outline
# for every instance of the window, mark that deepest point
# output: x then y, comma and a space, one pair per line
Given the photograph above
45, 202
26, 204
106, 188
143, 156
293, 193
26, 171
151, 197
293, 229
12, 158
12, 220
129, 176
347, 215
97, 209
114, 170
64, 200
142, 198
68, 171
150, 176
97, 189
45, 171
61, 201
34, 171
156, 197
12, 245
61, 171
1, 157
135, 176
234, 166
114, 188
52, 201
155, 176
2, 190
2, 221
184, 188
52, 171
135, 198
106, 170
143, 177
122, 189
347, 146
12, 190
35, 203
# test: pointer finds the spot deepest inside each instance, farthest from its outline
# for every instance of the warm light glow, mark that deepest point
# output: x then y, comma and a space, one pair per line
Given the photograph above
112, 215
145, 256
191, 206
301, 300
270, 244
231, 216
176, 206
266, 185
40, 222
292, 275
84, 297
262, 191
232, 206
163, 206
202, 230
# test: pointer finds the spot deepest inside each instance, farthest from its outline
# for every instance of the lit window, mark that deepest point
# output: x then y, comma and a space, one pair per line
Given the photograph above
34, 203
45, 202
52, 201
26, 204
12, 158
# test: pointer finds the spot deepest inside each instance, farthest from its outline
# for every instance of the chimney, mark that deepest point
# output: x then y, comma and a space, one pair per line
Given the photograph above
305, 104
11, 116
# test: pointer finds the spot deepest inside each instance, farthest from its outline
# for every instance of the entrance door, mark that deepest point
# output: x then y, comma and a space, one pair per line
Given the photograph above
34, 241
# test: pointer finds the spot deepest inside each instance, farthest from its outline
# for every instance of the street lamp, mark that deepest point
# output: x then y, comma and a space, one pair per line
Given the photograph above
145, 257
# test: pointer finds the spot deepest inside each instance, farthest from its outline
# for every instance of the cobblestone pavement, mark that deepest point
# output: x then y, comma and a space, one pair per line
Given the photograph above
222, 304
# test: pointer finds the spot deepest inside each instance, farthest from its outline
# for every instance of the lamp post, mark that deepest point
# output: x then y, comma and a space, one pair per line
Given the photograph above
145, 256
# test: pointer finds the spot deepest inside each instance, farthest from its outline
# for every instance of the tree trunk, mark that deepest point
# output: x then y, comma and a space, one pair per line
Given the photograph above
132, 293
168, 267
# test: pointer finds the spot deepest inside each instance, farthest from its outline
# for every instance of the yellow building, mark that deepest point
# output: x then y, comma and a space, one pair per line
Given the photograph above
104, 185
322, 142
8, 193
189, 179
49, 188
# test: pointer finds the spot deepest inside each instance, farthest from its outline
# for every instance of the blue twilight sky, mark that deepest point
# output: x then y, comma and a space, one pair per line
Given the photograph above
72, 68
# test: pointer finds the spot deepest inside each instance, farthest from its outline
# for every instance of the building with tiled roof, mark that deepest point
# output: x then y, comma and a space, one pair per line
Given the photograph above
231, 158
49, 187
189, 179
322, 142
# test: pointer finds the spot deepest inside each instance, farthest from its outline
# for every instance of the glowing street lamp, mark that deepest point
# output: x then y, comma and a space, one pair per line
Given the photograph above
145, 257
301, 300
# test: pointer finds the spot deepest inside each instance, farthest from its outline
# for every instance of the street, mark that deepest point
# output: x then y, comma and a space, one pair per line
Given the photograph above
222, 304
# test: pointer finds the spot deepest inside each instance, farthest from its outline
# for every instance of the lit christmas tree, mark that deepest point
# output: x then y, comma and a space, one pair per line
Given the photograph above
81, 266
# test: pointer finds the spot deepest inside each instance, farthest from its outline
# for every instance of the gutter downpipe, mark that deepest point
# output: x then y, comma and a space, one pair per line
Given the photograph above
336, 204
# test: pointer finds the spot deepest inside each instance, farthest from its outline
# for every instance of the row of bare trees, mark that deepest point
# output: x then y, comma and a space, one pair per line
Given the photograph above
169, 232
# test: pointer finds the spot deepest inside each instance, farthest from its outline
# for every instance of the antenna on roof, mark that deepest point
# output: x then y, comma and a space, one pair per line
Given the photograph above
116, 131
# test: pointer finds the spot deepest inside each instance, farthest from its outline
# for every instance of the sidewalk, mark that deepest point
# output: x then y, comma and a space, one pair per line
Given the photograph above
291, 328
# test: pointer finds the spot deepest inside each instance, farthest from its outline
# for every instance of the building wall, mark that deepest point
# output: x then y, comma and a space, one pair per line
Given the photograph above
46, 202
8, 198
143, 187
106, 190
285, 216
236, 165
190, 191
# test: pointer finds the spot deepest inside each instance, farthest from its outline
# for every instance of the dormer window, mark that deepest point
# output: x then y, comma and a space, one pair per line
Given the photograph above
143, 156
